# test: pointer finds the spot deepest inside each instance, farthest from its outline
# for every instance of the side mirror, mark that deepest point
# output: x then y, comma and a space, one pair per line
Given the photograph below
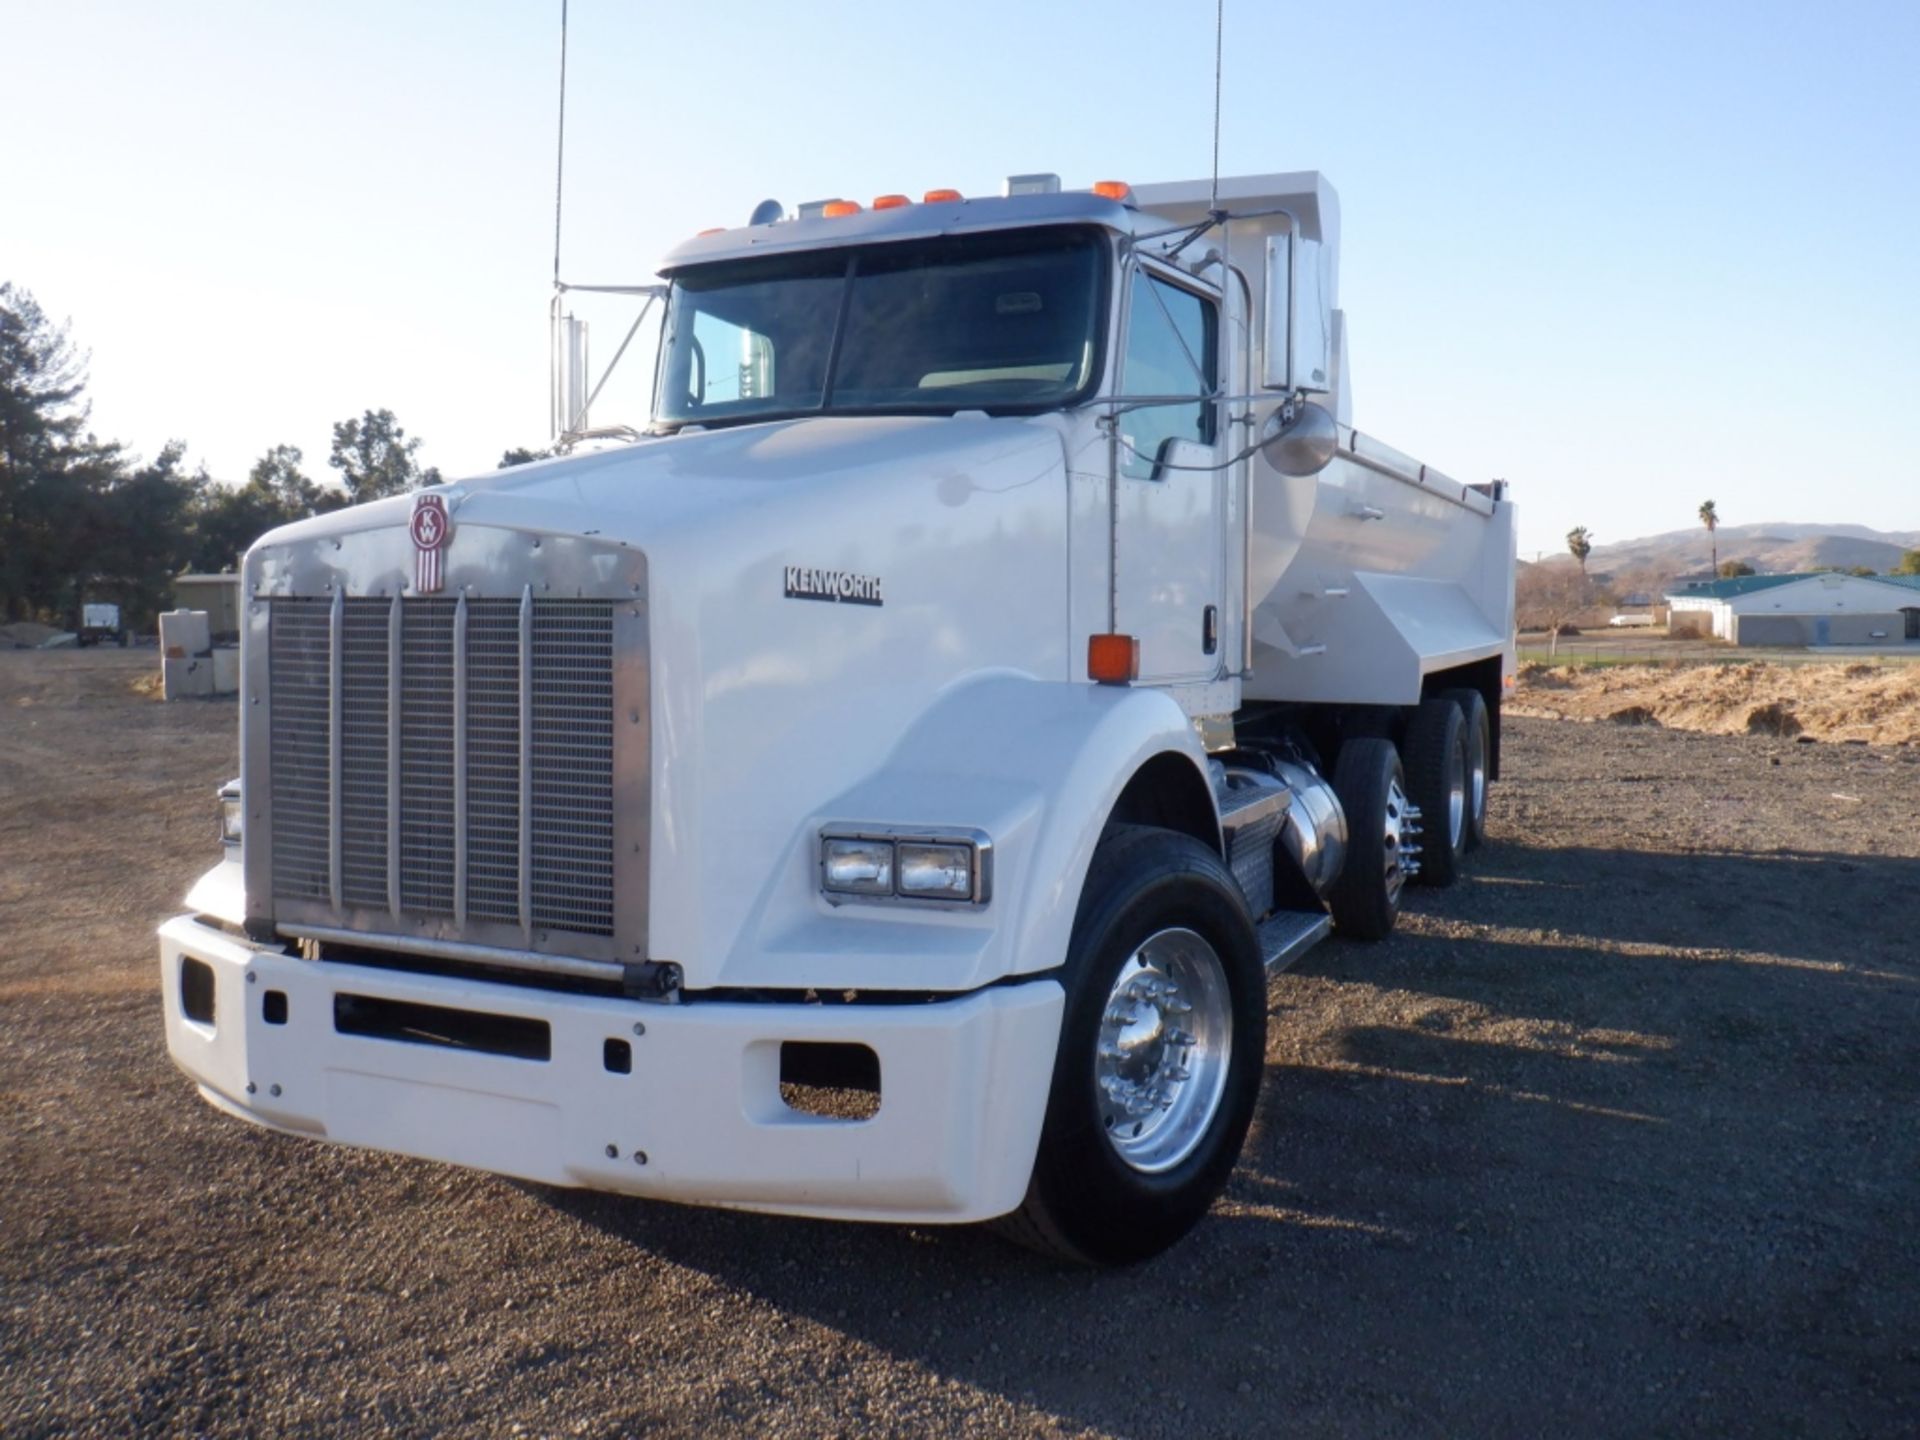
1297, 348
1299, 438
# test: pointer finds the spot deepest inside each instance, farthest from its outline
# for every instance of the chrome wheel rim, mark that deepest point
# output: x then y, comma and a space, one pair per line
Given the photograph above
1403, 834
1457, 807
1166, 1038
1477, 779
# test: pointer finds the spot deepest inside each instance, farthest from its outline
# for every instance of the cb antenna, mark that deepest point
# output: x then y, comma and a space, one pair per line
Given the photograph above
1219, 32
560, 158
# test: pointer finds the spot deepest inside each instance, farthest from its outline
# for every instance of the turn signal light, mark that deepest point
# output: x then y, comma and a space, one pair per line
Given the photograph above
934, 197
890, 202
836, 208
1113, 659
1114, 190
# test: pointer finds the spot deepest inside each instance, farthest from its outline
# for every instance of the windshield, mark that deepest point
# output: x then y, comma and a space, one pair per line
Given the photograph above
1007, 322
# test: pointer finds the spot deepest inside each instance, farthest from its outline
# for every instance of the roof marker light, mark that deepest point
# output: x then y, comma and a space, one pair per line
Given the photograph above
1113, 659
890, 202
834, 209
1114, 190
712, 230
936, 197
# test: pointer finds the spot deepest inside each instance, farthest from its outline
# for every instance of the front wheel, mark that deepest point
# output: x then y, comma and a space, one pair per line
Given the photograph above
1162, 1045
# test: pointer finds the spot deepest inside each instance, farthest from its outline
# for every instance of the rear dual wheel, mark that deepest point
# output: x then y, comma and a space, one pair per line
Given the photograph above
1438, 782
1383, 835
1479, 761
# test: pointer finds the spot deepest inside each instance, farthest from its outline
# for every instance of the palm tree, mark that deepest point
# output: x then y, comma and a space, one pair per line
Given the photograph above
1580, 545
1710, 517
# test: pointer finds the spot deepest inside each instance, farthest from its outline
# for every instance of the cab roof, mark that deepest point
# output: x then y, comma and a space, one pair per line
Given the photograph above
911, 222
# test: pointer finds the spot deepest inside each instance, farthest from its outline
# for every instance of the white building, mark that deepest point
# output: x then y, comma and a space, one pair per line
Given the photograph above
1818, 609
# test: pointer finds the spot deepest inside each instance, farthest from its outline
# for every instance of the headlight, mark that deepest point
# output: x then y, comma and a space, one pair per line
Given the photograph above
943, 872
854, 866
878, 862
230, 813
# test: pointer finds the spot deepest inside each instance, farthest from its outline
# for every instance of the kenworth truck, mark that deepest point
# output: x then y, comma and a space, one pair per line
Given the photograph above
881, 789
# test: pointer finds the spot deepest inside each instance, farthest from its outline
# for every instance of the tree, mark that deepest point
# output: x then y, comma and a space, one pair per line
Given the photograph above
230, 518
1547, 596
376, 459
45, 465
1733, 569
520, 455
278, 476
142, 533
1710, 517
1909, 564
1580, 545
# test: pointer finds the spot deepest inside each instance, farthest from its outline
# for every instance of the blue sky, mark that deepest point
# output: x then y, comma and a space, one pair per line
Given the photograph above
1626, 256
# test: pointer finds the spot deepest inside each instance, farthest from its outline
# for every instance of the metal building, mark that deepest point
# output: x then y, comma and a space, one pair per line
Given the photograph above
1823, 608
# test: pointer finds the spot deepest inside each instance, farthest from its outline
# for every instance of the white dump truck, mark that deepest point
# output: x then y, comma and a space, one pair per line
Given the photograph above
881, 790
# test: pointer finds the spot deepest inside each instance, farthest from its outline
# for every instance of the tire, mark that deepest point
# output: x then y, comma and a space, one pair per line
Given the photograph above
1103, 1192
1365, 900
1479, 762
1436, 759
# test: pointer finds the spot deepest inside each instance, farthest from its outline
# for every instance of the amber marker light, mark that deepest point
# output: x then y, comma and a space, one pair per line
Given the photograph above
1114, 190
1113, 659
716, 230
834, 209
937, 197
890, 202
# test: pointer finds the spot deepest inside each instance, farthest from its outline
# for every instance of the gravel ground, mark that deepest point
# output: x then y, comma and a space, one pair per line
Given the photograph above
1616, 1137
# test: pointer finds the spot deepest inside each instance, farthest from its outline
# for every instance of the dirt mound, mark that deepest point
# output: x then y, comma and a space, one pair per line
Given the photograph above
1866, 704
1772, 718
26, 635
1543, 677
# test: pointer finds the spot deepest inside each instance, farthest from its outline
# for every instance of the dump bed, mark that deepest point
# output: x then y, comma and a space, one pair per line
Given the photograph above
1380, 570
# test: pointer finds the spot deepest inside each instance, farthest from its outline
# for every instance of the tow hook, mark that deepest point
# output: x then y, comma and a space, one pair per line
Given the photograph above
657, 980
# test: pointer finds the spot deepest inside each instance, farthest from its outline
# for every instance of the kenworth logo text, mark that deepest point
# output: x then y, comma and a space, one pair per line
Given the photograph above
842, 585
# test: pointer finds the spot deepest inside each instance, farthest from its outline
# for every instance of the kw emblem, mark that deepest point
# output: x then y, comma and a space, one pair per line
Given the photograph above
431, 528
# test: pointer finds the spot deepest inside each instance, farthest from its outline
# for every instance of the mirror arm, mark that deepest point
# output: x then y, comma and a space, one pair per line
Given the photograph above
652, 292
607, 374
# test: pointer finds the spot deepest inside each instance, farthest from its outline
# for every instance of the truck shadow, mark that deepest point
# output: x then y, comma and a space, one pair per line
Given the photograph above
1491, 1179
1799, 905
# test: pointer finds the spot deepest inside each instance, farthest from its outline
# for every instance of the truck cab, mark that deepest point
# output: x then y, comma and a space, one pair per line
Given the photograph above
881, 789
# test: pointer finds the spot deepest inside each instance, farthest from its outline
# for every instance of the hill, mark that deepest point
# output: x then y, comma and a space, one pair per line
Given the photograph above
1769, 548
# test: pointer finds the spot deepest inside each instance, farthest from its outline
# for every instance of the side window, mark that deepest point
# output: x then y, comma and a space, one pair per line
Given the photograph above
1171, 350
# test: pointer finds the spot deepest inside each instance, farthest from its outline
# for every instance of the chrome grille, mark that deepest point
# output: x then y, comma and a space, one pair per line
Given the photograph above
302, 644
571, 801
363, 753
426, 757
445, 760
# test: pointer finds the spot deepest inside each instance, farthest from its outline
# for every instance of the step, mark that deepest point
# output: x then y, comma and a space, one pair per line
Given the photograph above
1289, 934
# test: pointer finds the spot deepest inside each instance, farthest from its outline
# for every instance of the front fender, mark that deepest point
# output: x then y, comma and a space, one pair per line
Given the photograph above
1038, 766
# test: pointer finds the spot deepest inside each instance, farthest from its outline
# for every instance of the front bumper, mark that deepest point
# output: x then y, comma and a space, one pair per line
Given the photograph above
963, 1085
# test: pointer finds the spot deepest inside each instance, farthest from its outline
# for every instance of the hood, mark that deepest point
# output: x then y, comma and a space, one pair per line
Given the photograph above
680, 482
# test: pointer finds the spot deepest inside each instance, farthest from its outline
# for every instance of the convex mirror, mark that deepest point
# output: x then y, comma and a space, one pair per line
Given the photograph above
1299, 438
